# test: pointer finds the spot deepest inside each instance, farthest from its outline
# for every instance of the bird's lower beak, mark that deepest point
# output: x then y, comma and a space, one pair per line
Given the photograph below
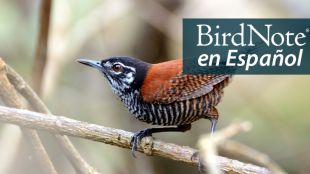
91, 63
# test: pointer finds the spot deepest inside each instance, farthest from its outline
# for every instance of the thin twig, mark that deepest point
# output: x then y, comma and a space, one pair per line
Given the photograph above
252, 154
78, 163
230, 131
209, 145
209, 152
149, 146
220, 140
10, 98
41, 51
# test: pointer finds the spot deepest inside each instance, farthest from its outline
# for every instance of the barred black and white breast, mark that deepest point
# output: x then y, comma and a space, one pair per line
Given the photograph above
174, 113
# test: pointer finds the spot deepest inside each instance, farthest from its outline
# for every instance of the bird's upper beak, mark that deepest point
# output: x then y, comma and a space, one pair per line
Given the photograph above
91, 63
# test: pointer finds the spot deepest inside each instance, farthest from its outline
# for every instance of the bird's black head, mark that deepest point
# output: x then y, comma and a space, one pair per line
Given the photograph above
123, 73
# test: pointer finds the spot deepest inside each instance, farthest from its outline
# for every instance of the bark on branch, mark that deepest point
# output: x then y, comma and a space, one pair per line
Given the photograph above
149, 146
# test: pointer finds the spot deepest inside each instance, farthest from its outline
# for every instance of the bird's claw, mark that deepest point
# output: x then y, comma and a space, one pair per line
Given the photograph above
195, 154
200, 162
136, 139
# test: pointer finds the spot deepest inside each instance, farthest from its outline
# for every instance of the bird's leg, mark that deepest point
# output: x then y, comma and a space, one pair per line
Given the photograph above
136, 138
213, 117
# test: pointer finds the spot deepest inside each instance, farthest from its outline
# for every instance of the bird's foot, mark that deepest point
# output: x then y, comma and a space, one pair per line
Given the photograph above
136, 139
200, 163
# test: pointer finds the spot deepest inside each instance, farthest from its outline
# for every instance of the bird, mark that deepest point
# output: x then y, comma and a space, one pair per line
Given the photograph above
161, 94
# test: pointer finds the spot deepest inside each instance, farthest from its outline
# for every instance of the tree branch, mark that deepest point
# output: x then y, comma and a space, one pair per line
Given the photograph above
208, 144
41, 51
9, 97
149, 146
78, 163
221, 139
252, 154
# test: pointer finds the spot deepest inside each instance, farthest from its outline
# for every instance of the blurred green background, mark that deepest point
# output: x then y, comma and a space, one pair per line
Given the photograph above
150, 30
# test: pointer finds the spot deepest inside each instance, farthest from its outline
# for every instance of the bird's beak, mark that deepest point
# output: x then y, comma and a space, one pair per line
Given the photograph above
91, 63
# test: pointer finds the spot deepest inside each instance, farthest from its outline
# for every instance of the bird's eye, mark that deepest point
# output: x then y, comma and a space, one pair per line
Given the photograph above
117, 67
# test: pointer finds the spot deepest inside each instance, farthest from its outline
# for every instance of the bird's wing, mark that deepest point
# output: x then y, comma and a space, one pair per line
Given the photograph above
165, 83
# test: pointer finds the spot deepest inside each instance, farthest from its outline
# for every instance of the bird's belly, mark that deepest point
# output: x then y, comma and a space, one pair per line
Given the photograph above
176, 113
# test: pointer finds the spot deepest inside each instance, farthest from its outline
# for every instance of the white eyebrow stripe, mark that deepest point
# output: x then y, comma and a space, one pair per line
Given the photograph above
128, 67
133, 69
